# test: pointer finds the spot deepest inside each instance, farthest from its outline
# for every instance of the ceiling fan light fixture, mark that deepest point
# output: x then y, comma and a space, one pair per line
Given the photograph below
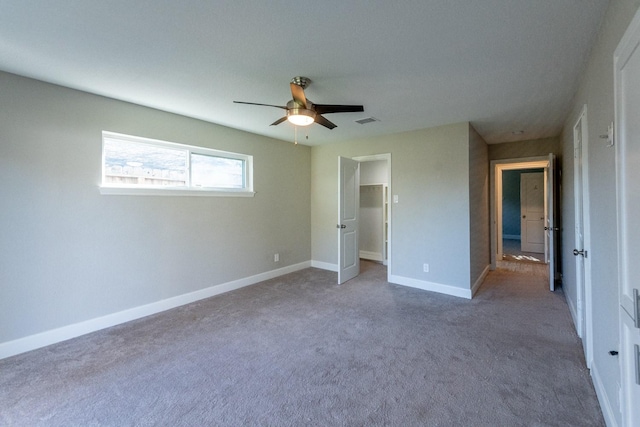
301, 116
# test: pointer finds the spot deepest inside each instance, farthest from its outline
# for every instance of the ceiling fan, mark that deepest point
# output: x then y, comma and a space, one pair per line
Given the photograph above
302, 112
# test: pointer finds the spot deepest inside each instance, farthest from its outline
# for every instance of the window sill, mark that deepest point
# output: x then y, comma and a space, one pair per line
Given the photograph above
132, 191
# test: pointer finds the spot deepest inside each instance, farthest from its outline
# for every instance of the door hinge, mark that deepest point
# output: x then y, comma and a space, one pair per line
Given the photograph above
636, 350
636, 308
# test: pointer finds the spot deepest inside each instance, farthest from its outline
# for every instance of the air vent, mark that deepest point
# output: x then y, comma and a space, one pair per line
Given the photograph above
367, 120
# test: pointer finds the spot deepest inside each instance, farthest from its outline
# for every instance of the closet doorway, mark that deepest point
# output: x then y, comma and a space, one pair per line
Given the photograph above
375, 212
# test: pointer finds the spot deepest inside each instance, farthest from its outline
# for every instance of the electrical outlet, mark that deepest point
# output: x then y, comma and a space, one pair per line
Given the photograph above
425, 268
276, 257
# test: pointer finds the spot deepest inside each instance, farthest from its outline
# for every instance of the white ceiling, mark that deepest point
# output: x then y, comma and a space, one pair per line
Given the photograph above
503, 65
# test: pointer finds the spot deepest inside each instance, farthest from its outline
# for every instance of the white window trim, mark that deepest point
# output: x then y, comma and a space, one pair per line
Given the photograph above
134, 190
147, 191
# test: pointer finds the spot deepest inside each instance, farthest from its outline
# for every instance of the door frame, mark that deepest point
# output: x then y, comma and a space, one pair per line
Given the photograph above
387, 157
628, 312
584, 316
496, 169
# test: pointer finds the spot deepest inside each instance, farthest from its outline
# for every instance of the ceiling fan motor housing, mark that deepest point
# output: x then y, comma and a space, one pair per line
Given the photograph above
301, 81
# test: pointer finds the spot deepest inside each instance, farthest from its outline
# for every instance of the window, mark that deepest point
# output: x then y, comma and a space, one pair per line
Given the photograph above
135, 165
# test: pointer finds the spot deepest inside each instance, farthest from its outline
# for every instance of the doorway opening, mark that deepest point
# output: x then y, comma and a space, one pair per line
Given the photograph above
523, 215
373, 225
523, 231
373, 217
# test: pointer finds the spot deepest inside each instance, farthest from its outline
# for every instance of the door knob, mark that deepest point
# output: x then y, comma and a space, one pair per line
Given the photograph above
582, 252
341, 226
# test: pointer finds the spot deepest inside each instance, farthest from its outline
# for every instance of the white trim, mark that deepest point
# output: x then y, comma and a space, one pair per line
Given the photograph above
32, 342
371, 184
511, 236
478, 282
418, 284
603, 399
324, 266
574, 314
431, 286
177, 191
373, 256
629, 391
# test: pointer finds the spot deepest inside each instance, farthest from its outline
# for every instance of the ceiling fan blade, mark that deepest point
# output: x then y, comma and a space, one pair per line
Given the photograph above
277, 122
324, 122
329, 108
265, 105
298, 94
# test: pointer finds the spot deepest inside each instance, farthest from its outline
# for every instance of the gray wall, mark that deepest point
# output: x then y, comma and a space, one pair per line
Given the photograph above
374, 172
596, 90
430, 224
69, 254
531, 148
480, 244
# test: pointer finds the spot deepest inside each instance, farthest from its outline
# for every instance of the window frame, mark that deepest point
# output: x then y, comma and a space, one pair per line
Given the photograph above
137, 190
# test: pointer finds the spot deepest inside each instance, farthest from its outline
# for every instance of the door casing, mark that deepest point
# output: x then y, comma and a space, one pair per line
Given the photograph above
387, 158
626, 65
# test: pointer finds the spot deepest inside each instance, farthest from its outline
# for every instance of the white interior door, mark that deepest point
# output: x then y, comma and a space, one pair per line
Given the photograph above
627, 95
348, 207
532, 212
579, 251
550, 220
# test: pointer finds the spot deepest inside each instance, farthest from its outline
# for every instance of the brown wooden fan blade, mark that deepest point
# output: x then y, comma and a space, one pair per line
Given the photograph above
298, 95
324, 122
277, 122
330, 108
255, 103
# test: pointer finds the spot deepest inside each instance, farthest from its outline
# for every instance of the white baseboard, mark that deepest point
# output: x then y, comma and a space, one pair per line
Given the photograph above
603, 398
373, 256
324, 266
43, 339
478, 282
431, 286
574, 316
